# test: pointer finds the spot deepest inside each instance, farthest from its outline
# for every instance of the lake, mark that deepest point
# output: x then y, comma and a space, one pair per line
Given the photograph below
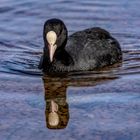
102, 104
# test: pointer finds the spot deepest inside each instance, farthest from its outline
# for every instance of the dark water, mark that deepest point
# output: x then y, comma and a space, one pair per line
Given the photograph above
97, 105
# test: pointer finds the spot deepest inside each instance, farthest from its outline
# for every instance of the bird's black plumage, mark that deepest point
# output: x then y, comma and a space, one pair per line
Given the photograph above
84, 50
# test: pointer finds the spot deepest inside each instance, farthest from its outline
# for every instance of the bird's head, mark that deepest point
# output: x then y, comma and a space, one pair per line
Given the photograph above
55, 36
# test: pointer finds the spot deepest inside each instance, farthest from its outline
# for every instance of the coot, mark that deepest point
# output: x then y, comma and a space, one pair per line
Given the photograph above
84, 50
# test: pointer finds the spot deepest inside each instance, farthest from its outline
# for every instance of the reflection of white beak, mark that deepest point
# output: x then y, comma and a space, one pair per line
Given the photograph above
51, 38
53, 117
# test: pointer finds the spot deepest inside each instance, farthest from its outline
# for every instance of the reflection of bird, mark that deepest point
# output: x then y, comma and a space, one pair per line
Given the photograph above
85, 50
57, 108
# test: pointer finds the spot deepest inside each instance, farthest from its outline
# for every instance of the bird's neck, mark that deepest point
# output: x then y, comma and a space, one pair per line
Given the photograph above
63, 57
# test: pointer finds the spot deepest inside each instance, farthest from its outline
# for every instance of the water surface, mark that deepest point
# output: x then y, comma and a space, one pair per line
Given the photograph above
101, 105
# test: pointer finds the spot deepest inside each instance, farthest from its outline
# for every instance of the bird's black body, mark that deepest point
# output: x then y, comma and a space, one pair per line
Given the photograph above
84, 50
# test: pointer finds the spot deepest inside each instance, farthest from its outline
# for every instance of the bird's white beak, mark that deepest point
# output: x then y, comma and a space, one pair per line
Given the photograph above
51, 38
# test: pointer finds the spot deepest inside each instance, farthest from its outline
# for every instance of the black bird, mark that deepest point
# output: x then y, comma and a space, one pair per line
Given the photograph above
84, 50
